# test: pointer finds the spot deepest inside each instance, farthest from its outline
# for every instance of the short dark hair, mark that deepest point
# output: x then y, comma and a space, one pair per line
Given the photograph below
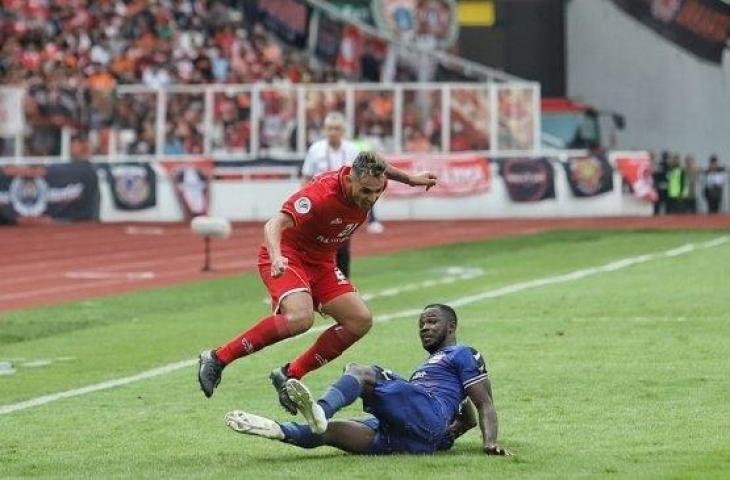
445, 309
369, 163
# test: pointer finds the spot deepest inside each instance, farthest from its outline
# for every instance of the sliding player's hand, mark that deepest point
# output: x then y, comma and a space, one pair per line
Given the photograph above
278, 265
495, 449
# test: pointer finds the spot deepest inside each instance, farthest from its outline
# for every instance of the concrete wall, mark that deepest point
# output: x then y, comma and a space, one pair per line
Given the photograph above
671, 99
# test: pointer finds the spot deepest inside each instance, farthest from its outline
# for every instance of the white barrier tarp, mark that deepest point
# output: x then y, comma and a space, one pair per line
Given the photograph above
11, 111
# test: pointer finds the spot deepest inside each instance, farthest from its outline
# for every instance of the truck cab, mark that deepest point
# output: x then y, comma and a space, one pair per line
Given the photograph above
572, 125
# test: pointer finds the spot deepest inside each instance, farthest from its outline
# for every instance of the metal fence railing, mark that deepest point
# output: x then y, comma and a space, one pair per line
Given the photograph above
251, 121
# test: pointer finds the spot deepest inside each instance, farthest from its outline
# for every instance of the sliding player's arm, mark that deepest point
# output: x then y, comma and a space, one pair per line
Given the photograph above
481, 394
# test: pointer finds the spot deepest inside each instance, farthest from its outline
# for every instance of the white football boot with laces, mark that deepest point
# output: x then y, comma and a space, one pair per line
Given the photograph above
251, 424
312, 412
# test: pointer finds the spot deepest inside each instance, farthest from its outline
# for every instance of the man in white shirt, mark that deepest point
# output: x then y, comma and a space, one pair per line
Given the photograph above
332, 153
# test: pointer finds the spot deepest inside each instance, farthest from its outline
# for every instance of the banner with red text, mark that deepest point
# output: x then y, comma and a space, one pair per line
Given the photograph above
458, 174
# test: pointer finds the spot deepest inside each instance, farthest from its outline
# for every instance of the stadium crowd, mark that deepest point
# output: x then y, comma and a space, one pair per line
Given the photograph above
71, 54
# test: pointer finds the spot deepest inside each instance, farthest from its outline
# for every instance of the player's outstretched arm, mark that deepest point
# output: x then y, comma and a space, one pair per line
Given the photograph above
272, 238
481, 394
424, 179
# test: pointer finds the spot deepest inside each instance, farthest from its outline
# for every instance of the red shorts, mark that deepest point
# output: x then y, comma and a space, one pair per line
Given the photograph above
323, 281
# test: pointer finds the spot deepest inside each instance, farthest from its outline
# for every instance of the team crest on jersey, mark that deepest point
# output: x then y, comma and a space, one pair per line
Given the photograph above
303, 205
436, 358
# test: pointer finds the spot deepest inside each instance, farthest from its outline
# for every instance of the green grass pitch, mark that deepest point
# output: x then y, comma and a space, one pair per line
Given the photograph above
622, 374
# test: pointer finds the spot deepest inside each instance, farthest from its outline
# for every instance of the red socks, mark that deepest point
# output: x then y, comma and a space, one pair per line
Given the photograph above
275, 328
268, 331
328, 346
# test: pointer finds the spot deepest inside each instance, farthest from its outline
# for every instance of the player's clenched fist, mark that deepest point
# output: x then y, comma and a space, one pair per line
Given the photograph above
278, 265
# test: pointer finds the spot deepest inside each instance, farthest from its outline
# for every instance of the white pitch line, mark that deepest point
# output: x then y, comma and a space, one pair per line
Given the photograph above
99, 275
454, 274
499, 292
34, 402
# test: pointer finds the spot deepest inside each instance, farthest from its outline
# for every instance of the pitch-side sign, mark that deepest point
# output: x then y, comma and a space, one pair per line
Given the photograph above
459, 174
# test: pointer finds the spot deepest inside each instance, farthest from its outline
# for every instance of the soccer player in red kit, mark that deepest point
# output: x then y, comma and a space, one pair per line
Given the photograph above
297, 265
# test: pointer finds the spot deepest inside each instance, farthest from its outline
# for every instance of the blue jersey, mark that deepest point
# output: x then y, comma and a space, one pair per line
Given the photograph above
446, 375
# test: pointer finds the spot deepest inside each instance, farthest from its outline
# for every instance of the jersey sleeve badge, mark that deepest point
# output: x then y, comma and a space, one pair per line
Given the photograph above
303, 205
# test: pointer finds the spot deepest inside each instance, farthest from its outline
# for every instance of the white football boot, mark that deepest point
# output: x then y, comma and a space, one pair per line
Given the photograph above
251, 424
312, 412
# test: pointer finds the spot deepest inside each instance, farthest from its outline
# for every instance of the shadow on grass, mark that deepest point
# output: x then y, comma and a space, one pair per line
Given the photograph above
294, 455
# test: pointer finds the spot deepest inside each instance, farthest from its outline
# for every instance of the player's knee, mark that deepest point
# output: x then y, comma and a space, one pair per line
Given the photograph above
353, 368
300, 320
361, 323
300, 312
364, 373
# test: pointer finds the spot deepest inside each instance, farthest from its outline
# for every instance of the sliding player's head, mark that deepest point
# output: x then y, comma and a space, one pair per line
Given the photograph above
437, 327
366, 180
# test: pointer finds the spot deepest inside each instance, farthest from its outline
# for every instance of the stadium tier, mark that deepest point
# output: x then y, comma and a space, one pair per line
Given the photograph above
225, 79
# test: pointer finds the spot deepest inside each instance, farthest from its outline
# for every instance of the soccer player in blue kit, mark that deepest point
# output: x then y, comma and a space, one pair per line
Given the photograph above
443, 399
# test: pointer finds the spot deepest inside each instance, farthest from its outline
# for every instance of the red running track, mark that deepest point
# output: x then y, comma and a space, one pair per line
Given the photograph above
48, 264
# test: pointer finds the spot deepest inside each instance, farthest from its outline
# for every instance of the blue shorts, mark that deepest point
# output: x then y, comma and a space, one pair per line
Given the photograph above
407, 419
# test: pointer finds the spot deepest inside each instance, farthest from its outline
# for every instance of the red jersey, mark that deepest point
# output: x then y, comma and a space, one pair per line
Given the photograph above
323, 217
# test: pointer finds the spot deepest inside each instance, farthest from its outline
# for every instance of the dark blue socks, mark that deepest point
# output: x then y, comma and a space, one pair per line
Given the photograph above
301, 435
341, 394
